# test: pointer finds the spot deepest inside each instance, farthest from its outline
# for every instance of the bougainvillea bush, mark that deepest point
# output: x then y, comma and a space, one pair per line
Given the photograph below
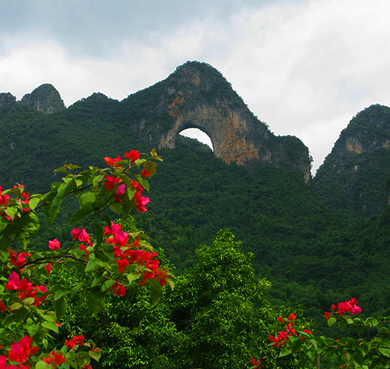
111, 260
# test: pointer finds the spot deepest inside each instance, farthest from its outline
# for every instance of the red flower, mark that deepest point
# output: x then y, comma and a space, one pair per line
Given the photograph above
54, 244
18, 260
122, 265
48, 267
21, 351
2, 308
292, 317
145, 173
55, 357
132, 155
257, 364
326, 315
118, 289
110, 182
112, 162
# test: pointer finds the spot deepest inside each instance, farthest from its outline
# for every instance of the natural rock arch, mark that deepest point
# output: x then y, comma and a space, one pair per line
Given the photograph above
197, 134
197, 96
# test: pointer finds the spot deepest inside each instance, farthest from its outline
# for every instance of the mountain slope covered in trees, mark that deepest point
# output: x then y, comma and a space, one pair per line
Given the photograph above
302, 235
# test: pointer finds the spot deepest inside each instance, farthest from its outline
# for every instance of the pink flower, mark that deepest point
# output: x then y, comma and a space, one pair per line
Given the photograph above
13, 282
356, 310
81, 235
120, 190
54, 244
142, 201
20, 351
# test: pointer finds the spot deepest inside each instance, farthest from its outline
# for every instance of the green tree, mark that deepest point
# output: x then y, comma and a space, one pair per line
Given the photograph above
221, 310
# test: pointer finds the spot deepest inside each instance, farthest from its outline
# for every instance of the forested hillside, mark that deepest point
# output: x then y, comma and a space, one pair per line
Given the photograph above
312, 255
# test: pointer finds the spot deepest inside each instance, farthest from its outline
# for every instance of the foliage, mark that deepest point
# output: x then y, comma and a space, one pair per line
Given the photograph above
349, 352
221, 310
114, 262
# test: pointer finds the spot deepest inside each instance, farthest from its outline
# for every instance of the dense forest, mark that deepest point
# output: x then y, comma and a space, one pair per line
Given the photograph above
311, 244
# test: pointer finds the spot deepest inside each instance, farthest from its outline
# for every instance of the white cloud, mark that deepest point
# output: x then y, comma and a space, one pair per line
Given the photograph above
304, 67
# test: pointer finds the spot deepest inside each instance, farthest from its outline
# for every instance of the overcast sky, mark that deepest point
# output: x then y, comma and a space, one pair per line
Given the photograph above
305, 67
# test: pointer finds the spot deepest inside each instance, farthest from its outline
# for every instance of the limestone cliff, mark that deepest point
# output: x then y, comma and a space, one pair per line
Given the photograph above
45, 98
353, 175
197, 96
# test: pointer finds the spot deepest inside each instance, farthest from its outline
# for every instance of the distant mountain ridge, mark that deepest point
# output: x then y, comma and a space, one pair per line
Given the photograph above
354, 174
352, 177
44, 98
196, 95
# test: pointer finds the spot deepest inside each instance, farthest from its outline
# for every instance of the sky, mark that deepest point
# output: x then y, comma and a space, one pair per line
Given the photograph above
305, 67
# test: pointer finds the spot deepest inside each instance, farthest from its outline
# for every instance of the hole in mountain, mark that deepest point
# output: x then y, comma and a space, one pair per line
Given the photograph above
198, 135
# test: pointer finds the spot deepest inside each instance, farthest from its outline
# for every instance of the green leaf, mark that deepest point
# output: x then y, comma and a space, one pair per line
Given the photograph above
95, 354
285, 351
384, 351
131, 277
155, 291
3, 223
77, 288
60, 307
359, 329
98, 233
56, 202
33, 203
331, 321
60, 293
78, 215
50, 325
79, 266
151, 166
116, 207
92, 264
32, 329
95, 299
15, 306
342, 324
42, 365
26, 227
86, 201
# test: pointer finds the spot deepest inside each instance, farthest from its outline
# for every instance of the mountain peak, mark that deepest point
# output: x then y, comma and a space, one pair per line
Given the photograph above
44, 98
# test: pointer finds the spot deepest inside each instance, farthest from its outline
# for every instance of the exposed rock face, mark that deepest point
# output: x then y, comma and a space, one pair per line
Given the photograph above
353, 175
198, 96
45, 98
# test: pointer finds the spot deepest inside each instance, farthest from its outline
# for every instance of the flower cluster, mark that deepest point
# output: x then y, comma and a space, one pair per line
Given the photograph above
283, 336
26, 289
343, 308
55, 357
18, 259
75, 340
116, 183
256, 363
22, 200
19, 353
129, 253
